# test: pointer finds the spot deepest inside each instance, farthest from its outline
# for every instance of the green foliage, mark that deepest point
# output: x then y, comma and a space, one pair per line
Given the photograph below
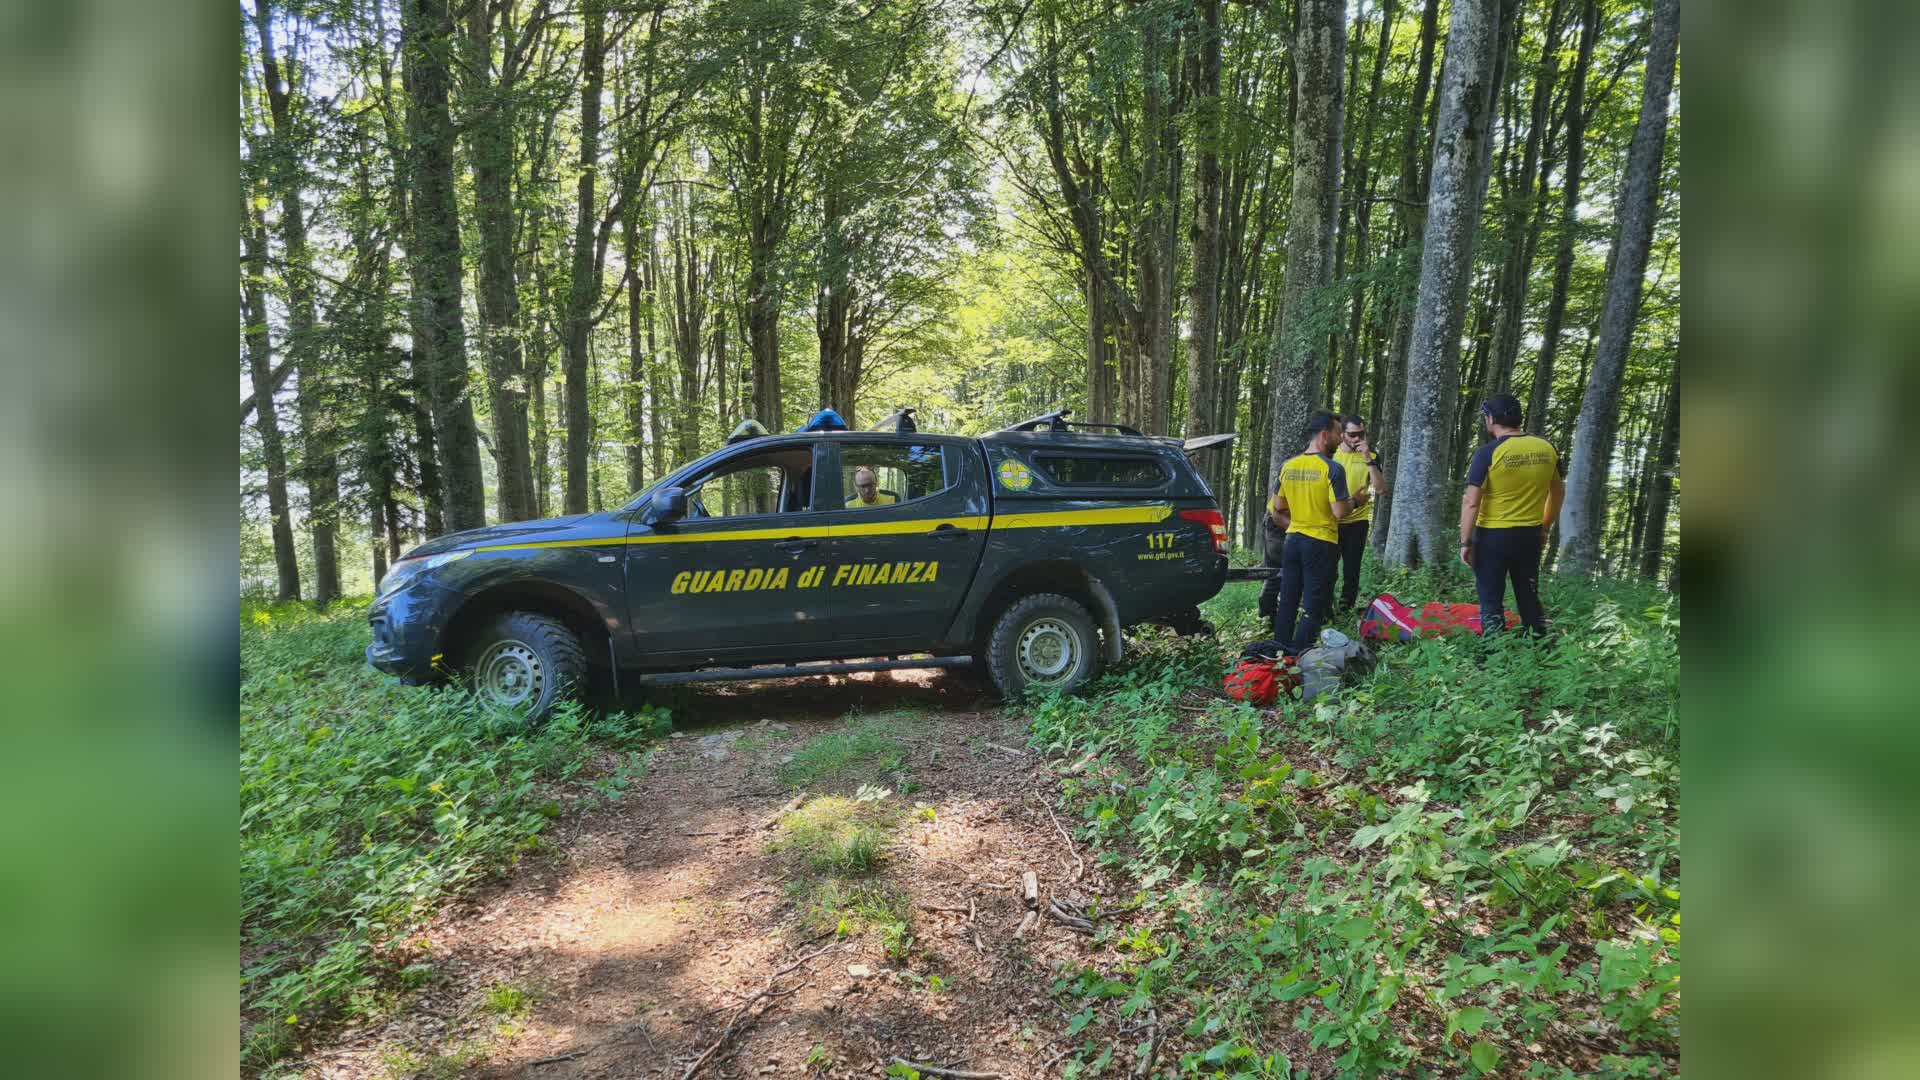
1467, 853
363, 803
863, 750
835, 835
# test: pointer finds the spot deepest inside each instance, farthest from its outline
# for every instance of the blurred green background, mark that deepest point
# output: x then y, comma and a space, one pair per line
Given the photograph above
1803, 192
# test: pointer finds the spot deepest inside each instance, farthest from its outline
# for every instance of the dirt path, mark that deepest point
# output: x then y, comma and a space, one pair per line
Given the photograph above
635, 943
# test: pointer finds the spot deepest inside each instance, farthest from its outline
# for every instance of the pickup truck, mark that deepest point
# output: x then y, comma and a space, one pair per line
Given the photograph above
1025, 551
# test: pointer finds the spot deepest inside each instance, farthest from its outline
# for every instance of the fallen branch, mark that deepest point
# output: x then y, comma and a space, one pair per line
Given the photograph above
1030, 889
1154, 1036
556, 1059
951, 1074
967, 911
1079, 866
743, 1017
1068, 919
792, 805
1026, 924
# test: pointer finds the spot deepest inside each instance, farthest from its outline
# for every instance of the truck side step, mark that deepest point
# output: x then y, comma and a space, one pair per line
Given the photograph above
793, 671
1252, 573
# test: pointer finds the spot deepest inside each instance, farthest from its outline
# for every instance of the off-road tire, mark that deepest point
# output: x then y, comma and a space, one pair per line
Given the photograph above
534, 654
1038, 626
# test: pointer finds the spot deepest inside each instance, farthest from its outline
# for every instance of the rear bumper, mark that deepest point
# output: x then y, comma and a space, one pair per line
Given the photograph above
408, 627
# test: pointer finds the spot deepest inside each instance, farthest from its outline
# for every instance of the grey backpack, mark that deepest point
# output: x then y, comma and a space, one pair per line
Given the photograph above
1338, 656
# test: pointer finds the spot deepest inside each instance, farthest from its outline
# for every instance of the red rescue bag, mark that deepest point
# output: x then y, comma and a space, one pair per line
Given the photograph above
1258, 682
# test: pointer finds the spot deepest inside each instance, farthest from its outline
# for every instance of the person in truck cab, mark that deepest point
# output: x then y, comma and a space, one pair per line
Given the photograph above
866, 490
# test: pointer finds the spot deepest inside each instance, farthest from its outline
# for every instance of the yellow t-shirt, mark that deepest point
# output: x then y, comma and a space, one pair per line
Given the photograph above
1359, 479
879, 499
1514, 474
1311, 484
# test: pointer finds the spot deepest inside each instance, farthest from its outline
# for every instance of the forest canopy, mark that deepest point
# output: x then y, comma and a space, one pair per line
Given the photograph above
508, 259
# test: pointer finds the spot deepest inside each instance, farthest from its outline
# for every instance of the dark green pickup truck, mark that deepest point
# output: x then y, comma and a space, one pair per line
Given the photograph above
1027, 551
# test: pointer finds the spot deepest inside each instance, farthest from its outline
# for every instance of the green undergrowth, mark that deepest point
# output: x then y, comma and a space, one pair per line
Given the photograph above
863, 750
836, 847
364, 803
1466, 863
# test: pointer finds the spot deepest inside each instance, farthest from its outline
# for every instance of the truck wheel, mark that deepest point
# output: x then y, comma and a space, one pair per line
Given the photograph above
527, 663
1043, 642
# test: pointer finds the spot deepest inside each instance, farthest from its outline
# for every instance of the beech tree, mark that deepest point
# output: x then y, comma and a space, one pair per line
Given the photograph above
1421, 486
1592, 449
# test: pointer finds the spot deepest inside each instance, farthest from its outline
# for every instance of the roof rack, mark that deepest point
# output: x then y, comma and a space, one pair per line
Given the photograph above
900, 421
1057, 421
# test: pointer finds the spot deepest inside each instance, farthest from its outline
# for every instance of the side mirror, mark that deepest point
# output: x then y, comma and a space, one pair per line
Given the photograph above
669, 504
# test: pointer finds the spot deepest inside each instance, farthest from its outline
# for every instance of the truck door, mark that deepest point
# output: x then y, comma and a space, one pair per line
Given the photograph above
910, 523
742, 569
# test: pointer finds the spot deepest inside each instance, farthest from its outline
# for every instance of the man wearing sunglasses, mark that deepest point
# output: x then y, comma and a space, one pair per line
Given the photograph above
1363, 475
1514, 490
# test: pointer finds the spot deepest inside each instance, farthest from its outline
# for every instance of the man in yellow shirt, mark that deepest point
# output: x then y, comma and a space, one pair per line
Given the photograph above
1514, 490
1310, 503
1363, 476
866, 491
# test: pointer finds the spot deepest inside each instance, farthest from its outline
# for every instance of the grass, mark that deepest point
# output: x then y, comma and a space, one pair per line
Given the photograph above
364, 803
1468, 856
836, 845
835, 835
864, 750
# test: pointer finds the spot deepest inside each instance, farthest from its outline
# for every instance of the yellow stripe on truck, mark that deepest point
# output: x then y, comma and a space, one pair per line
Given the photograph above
1110, 515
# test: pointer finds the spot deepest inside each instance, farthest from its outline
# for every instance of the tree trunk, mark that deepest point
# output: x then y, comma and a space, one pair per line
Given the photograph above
1581, 517
1523, 214
1299, 354
1653, 547
1360, 191
833, 305
636, 388
584, 293
1203, 234
1411, 211
266, 416
490, 148
1418, 532
1550, 330
538, 367
320, 469
1156, 251
439, 336
1101, 382
690, 327
425, 455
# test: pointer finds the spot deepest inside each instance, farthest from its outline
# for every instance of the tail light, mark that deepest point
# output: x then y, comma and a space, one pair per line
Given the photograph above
1214, 522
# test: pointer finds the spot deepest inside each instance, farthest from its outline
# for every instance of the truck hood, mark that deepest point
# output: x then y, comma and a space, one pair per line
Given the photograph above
511, 533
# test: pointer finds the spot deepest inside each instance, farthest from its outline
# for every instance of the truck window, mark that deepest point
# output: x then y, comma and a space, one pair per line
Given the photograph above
774, 482
883, 474
1075, 470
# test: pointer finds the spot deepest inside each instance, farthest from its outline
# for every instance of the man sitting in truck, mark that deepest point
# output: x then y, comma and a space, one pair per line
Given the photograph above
866, 490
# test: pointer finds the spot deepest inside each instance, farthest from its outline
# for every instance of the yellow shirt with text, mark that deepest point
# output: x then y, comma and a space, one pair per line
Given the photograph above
1359, 479
1311, 484
881, 499
1514, 474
